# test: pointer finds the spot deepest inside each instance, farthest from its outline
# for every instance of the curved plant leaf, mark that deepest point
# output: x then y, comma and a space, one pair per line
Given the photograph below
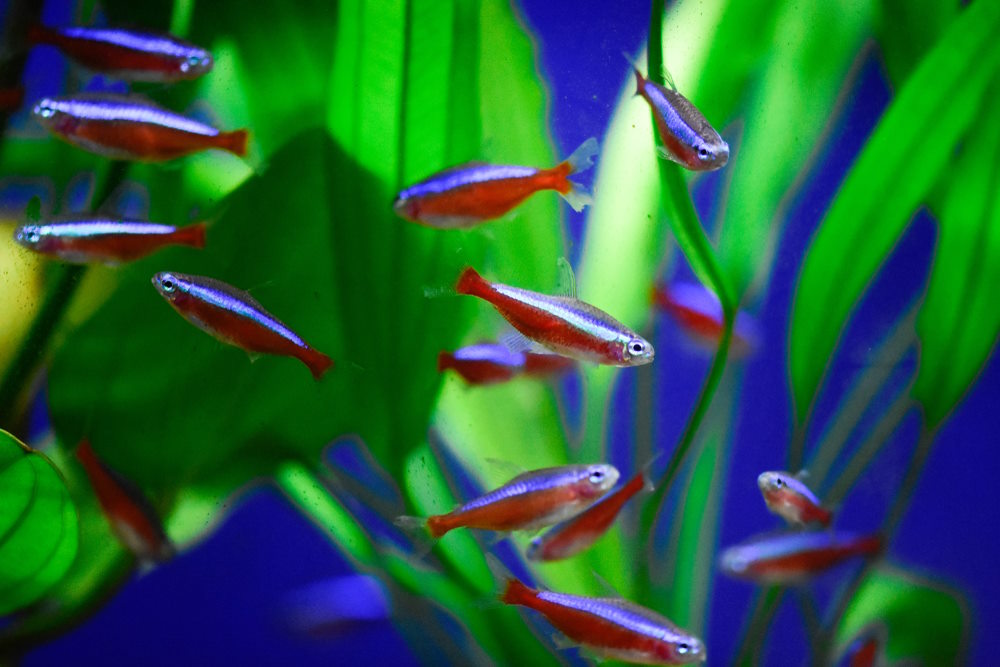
797, 89
923, 621
904, 157
959, 321
38, 525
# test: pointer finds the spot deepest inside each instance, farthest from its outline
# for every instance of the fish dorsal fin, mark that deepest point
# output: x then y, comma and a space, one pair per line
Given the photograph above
668, 78
508, 468
567, 279
802, 475
515, 341
606, 586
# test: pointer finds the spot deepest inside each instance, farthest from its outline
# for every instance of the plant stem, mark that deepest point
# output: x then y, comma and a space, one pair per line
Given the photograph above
861, 458
889, 353
766, 605
67, 279
889, 527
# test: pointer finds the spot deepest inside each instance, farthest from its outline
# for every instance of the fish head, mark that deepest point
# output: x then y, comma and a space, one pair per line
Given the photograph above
771, 482
170, 285
684, 650
712, 153
735, 561
30, 236
636, 351
197, 63
597, 479
407, 208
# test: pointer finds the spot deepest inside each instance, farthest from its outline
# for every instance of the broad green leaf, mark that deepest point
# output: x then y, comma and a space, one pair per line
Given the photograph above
959, 321
904, 157
38, 525
924, 621
798, 88
906, 30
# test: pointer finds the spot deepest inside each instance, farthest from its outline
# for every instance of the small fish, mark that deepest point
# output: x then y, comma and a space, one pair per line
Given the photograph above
581, 531
793, 557
531, 500
490, 363
484, 363
127, 54
563, 324
336, 606
792, 500
698, 311
612, 628
233, 316
469, 194
865, 650
121, 127
104, 239
11, 98
689, 139
132, 518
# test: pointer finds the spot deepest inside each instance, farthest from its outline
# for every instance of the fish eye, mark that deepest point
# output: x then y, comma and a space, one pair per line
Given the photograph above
191, 63
167, 285
636, 348
45, 109
683, 648
596, 476
704, 153
778, 482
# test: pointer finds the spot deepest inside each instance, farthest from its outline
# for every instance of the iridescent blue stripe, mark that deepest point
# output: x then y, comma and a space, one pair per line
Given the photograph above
145, 42
564, 308
452, 179
221, 299
492, 352
530, 483
619, 612
678, 126
116, 108
84, 228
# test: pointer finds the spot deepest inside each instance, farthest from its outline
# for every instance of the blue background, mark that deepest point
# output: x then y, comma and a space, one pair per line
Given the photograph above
219, 603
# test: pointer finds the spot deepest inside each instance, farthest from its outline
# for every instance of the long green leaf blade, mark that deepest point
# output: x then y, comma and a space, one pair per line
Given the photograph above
959, 320
906, 154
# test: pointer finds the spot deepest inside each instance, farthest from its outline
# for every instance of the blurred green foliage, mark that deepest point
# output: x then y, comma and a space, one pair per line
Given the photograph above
38, 525
350, 101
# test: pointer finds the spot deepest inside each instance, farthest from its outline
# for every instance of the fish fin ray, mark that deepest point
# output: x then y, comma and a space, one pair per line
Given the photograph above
567, 279
583, 157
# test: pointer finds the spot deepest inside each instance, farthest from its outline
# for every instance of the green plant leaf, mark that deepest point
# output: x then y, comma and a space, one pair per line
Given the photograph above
905, 155
924, 621
906, 30
959, 322
38, 525
797, 89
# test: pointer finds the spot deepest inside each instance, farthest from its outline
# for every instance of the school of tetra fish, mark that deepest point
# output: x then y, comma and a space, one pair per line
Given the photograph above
576, 503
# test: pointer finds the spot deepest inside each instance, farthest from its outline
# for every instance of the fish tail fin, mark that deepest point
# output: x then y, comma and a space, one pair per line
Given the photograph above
85, 453
470, 282
640, 80
577, 197
317, 362
872, 545
235, 142
40, 34
583, 157
510, 590
825, 517
192, 235
445, 361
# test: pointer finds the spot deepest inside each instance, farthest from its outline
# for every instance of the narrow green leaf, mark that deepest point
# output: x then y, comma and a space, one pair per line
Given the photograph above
906, 30
911, 146
785, 117
38, 525
924, 621
959, 321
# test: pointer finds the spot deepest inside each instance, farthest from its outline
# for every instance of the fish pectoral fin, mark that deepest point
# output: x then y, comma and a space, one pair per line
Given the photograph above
254, 356
666, 155
567, 279
606, 585
562, 642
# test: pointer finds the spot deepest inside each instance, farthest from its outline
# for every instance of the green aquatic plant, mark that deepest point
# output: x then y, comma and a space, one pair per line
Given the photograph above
380, 96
